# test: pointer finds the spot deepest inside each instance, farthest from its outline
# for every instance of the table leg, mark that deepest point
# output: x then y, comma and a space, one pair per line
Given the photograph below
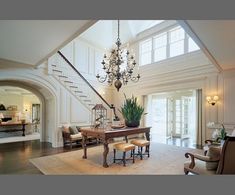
23, 129
147, 134
84, 141
106, 151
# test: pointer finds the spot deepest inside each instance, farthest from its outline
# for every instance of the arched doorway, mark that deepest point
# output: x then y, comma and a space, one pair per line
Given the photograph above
47, 106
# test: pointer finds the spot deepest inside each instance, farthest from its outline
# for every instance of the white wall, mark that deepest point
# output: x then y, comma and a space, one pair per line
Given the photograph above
189, 71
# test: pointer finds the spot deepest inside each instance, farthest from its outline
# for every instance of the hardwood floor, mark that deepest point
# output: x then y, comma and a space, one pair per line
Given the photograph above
14, 157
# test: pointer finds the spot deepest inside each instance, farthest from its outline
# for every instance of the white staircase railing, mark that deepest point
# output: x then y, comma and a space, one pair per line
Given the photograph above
60, 67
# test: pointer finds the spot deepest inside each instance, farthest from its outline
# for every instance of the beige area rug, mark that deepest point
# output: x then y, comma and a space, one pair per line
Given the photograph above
164, 160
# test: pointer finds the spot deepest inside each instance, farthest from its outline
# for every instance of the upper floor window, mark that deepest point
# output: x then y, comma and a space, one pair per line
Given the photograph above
192, 46
146, 52
176, 44
160, 43
173, 42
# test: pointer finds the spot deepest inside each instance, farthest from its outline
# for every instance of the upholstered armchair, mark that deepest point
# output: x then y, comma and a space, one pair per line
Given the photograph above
217, 160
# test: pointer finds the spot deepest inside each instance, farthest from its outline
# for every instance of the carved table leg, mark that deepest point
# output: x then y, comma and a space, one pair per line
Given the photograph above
106, 151
84, 140
147, 134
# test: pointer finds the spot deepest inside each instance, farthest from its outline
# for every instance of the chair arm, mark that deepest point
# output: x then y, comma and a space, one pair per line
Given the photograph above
209, 141
199, 157
192, 164
205, 158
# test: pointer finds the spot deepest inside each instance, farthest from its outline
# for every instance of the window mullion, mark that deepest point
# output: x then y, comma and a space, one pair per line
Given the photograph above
168, 45
186, 43
152, 52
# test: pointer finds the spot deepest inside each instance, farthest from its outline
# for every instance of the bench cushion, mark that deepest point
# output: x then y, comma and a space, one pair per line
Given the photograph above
77, 136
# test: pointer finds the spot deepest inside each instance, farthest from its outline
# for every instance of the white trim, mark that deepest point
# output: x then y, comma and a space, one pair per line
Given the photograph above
197, 40
71, 38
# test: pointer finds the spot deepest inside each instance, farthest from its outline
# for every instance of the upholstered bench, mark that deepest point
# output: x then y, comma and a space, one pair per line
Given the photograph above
141, 143
124, 147
71, 134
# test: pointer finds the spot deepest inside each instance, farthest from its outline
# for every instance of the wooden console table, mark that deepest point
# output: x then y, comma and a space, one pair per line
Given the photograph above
106, 134
14, 125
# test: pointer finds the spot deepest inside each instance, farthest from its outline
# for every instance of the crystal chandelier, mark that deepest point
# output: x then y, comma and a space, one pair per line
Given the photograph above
113, 63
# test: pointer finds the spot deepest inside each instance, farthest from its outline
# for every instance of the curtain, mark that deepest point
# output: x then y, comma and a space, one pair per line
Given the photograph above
199, 116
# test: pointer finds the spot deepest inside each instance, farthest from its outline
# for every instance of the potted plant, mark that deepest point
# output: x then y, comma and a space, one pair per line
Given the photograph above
131, 112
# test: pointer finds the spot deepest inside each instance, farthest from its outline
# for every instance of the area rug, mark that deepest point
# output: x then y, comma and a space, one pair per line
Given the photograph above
164, 160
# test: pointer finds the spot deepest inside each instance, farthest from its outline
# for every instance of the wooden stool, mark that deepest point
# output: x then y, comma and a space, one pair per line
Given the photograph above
141, 143
124, 147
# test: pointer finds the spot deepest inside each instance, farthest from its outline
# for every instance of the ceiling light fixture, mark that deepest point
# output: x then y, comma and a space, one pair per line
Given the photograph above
113, 66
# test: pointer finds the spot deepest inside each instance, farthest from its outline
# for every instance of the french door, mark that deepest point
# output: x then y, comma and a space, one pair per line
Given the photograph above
173, 116
180, 116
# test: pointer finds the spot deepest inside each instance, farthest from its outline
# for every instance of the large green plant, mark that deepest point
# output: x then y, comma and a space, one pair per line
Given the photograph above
130, 110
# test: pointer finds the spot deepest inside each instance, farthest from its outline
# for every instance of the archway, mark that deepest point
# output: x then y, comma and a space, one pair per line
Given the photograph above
47, 109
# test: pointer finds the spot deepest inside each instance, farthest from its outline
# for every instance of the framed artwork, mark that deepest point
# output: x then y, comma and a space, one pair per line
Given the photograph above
12, 108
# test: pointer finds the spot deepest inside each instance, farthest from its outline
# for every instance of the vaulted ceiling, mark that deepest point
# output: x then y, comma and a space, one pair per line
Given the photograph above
218, 36
30, 41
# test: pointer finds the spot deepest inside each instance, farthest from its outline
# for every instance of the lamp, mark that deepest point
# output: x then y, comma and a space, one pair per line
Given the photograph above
112, 65
212, 100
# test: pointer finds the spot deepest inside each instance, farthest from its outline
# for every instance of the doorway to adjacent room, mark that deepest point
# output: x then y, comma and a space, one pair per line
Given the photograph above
173, 117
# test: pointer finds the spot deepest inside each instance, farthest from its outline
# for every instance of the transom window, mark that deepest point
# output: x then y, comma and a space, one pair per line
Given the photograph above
171, 43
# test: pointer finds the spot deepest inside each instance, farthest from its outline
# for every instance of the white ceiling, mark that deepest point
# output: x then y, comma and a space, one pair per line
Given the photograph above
218, 36
6, 90
30, 41
104, 32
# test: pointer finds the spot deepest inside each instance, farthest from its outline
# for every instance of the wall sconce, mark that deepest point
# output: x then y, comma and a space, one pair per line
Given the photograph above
212, 100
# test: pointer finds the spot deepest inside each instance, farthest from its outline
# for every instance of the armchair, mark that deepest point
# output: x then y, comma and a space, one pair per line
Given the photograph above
216, 161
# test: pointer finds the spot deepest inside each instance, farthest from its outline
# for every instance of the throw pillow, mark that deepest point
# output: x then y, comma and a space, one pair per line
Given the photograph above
78, 128
213, 153
73, 130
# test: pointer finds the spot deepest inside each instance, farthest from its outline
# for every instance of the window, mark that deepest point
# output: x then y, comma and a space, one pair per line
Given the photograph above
192, 46
160, 43
146, 52
176, 42
170, 43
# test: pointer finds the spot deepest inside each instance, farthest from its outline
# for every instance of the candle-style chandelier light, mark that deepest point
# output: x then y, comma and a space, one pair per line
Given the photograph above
113, 66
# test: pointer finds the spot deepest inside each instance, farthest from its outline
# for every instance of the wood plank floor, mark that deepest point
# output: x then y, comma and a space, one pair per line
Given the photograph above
14, 157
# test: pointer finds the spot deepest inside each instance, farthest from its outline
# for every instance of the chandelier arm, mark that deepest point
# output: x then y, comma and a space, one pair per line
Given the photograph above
112, 65
102, 79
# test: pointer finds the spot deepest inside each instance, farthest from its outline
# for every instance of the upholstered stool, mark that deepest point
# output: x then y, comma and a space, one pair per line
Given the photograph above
124, 147
141, 143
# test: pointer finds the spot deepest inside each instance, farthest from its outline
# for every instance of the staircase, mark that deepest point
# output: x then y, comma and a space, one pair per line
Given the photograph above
63, 71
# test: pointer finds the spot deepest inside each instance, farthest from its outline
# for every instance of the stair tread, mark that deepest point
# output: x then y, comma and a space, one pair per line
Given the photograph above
68, 81
63, 76
56, 70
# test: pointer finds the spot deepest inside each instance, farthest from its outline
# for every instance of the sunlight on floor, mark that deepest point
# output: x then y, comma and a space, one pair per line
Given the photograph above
33, 136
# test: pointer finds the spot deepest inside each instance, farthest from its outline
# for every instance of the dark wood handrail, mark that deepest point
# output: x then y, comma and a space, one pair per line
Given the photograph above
84, 79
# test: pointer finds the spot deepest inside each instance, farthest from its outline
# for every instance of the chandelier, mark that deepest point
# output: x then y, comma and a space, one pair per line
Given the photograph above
118, 66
